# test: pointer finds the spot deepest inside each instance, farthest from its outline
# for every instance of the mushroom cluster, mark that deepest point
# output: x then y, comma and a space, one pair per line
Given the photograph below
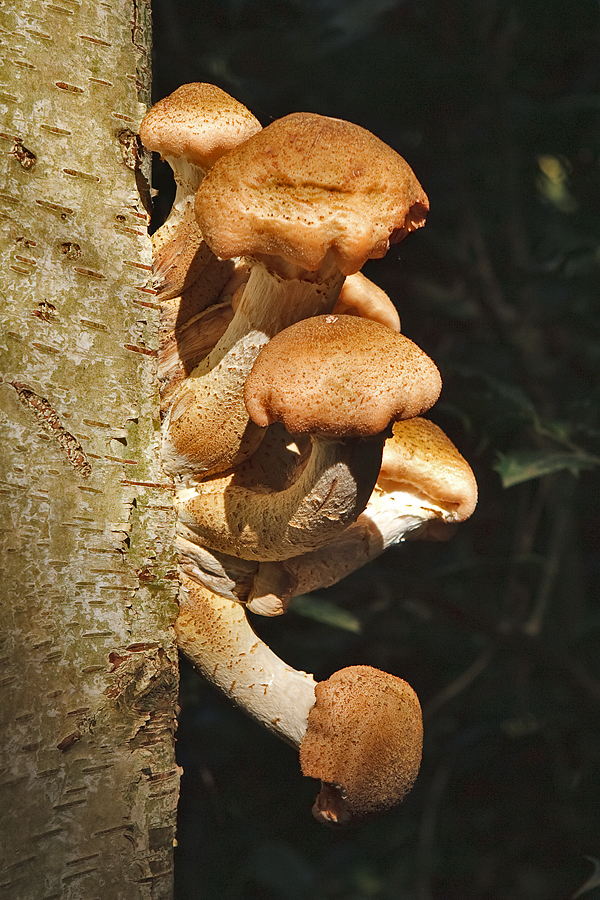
293, 416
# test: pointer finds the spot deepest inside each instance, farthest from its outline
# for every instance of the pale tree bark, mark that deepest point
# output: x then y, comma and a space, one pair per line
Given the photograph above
88, 780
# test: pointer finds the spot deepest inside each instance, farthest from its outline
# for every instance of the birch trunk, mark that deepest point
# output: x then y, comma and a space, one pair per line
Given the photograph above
88, 781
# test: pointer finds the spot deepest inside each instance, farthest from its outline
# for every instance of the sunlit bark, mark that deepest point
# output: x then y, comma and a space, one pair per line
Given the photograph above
88, 781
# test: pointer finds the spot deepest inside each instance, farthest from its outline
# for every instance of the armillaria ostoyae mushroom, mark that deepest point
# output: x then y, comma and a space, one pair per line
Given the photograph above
342, 380
191, 128
307, 200
360, 732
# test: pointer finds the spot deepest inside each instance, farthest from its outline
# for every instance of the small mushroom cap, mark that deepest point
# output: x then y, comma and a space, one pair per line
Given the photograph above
359, 296
419, 455
364, 741
199, 122
308, 184
339, 376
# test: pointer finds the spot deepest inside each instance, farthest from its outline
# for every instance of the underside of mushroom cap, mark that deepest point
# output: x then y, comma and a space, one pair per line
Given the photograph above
338, 376
419, 455
198, 121
307, 185
364, 741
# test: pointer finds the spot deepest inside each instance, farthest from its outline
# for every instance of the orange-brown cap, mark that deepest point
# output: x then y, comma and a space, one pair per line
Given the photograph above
419, 455
339, 376
364, 741
361, 297
308, 184
199, 122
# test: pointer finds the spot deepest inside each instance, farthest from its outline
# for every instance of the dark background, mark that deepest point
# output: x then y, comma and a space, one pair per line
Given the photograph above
496, 106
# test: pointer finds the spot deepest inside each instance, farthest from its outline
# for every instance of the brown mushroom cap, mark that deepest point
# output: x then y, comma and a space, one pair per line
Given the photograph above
364, 741
199, 122
338, 376
419, 455
307, 184
359, 296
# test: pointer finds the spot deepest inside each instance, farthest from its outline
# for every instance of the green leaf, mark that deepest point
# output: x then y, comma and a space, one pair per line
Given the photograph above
514, 468
311, 607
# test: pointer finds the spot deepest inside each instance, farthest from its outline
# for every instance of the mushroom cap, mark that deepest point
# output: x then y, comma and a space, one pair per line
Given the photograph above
307, 184
339, 376
199, 122
359, 296
364, 741
419, 455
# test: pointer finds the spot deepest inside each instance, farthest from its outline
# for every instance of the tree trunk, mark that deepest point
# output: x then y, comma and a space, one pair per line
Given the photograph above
88, 781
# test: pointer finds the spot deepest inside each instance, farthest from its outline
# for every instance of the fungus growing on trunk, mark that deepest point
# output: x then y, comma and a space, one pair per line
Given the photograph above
308, 200
279, 407
342, 380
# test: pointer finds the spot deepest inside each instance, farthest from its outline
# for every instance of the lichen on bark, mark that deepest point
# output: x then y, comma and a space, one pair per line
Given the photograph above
88, 780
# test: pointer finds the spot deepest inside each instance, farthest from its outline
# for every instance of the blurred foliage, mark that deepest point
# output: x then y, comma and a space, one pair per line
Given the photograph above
496, 105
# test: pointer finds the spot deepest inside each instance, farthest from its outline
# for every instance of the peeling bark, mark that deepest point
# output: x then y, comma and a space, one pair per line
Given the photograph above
88, 780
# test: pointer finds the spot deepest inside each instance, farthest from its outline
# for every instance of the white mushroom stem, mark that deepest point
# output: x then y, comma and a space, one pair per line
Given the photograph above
208, 429
389, 518
188, 178
237, 516
267, 587
424, 485
225, 575
215, 635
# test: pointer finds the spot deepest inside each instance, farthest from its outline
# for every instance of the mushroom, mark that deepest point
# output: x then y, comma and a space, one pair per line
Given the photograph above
361, 297
424, 486
363, 740
308, 200
342, 380
360, 731
191, 128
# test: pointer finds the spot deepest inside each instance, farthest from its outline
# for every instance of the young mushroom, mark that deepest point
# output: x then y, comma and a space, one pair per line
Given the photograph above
307, 200
191, 129
360, 731
342, 380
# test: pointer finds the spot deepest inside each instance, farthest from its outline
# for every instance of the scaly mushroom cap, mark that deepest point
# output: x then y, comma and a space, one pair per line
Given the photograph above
199, 122
307, 184
364, 741
419, 455
340, 375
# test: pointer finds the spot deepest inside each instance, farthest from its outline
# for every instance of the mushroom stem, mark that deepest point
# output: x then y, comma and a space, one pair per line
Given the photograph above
188, 178
240, 517
215, 635
424, 486
389, 518
208, 429
360, 731
180, 261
